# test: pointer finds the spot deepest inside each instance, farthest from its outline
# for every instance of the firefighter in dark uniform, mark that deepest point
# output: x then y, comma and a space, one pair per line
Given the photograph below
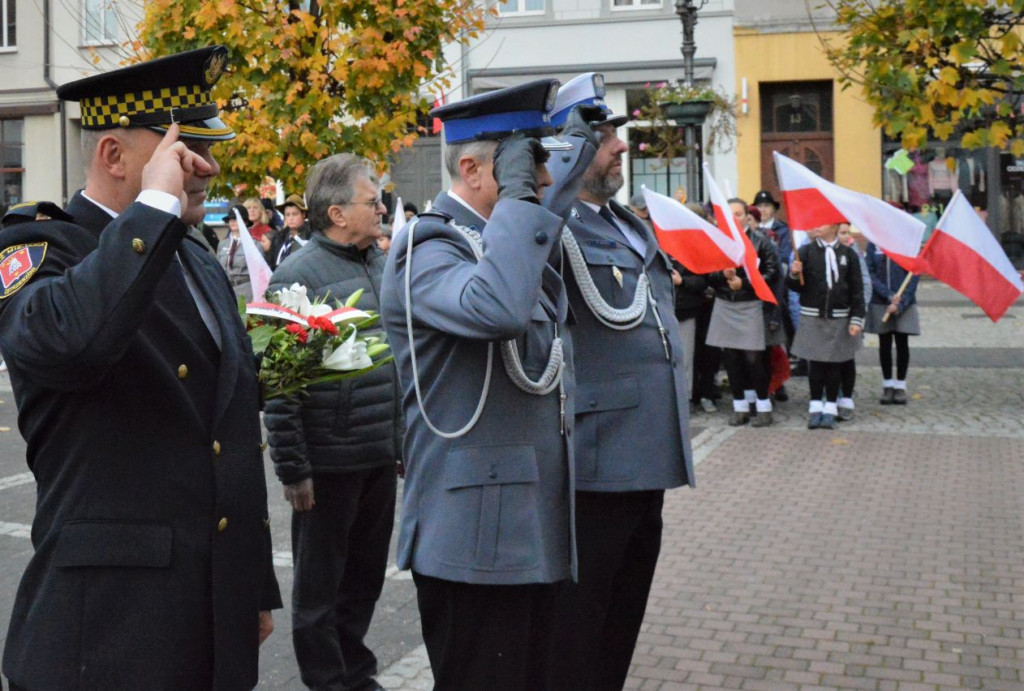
137, 395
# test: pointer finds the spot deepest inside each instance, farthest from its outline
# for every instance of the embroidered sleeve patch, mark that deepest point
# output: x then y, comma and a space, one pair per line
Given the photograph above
17, 264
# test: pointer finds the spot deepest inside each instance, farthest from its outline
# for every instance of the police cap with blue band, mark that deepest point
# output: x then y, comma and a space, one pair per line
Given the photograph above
154, 94
587, 90
497, 114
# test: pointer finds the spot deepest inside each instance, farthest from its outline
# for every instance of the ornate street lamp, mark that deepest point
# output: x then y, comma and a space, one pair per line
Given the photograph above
687, 11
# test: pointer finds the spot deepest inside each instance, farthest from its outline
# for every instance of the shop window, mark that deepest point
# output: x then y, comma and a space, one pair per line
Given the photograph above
12, 169
8, 13
99, 22
667, 176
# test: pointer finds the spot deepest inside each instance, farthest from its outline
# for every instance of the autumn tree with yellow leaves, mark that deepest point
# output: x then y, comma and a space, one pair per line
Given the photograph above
308, 79
947, 69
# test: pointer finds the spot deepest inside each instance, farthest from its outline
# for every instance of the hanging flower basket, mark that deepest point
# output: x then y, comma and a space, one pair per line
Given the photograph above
688, 112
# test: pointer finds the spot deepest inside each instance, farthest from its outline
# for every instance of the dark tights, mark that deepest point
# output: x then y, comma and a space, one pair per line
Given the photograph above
824, 379
746, 370
902, 355
847, 377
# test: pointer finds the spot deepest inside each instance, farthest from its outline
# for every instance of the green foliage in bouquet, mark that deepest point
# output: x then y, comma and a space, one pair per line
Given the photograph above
302, 343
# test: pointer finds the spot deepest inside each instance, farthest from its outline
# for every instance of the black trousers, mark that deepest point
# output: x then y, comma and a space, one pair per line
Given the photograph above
618, 537
340, 550
487, 637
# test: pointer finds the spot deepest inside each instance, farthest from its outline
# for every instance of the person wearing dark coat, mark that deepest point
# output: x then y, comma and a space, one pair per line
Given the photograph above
335, 448
138, 398
739, 327
886, 277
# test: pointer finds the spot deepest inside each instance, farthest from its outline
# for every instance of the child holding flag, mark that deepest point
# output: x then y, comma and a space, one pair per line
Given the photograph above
827, 276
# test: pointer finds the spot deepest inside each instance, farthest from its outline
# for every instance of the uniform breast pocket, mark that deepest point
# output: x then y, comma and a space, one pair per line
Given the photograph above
606, 412
492, 492
614, 271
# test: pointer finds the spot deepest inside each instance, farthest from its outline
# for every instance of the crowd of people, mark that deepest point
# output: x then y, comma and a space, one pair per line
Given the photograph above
829, 291
534, 476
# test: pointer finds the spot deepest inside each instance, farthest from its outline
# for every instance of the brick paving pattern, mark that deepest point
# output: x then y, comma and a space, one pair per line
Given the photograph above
886, 554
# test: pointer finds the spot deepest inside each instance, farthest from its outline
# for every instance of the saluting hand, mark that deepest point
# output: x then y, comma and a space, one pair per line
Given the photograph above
300, 495
171, 165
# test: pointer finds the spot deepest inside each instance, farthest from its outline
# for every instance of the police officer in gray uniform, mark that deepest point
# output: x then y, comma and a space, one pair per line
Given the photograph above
632, 437
476, 316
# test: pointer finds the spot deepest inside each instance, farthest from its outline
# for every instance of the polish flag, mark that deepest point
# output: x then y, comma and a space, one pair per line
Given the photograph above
811, 202
695, 243
964, 254
727, 223
259, 270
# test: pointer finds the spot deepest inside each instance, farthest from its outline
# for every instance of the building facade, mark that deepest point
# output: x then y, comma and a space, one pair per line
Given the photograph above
45, 44
634, 43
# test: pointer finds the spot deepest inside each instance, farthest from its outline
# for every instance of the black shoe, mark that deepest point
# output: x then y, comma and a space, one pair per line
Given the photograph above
845, 414
899, 396
762, 420
781, 395
814, 421
739, 419
888, 394
828, 421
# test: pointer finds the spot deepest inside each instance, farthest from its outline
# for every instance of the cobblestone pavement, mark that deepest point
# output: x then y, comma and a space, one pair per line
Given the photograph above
886, 554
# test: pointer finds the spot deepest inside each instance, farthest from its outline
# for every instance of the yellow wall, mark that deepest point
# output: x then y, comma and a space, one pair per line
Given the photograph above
784, 57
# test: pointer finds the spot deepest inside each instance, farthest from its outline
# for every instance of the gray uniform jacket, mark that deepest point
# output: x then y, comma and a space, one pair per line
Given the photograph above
493, 506
632, 412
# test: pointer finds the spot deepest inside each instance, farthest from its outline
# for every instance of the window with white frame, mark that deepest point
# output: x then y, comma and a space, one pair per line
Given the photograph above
7, 16
520, 7
99, 22
635, 4
12, 161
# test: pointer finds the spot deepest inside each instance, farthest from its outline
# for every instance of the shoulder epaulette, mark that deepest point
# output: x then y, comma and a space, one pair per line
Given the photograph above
33, 211
437, 213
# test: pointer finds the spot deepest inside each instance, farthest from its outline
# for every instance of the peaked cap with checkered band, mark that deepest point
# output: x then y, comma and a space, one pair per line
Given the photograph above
155, 94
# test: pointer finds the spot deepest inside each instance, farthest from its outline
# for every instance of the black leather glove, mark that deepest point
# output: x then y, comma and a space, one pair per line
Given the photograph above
581, 122
515, 167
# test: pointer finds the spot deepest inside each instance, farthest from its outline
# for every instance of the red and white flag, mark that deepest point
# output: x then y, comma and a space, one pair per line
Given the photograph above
259, 270
812, 202
964, 254
727, 222
695, 243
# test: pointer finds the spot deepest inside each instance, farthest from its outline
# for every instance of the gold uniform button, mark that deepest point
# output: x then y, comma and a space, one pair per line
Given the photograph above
222, 525
182, 371
139, 246
123, 121
216, 448
266, 522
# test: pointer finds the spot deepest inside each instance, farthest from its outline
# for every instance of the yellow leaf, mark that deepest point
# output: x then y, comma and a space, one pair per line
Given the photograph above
1000, 133
1011, 45
1017, 148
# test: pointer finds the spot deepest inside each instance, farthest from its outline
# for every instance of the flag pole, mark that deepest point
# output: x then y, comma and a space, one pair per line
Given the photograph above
899, 293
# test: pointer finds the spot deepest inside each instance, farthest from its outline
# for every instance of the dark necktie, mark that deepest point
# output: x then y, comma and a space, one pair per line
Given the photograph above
606, 213
231, 252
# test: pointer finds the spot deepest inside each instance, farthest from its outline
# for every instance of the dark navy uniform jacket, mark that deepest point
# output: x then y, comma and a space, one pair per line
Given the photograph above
152, 543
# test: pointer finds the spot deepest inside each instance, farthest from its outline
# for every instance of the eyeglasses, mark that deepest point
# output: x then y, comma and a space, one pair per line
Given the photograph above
373, 204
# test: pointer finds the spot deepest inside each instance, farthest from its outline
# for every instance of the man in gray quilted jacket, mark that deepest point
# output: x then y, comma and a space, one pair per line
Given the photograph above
335, 448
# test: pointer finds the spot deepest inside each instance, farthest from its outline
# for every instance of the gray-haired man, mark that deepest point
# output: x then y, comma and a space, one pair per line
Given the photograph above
335, 448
